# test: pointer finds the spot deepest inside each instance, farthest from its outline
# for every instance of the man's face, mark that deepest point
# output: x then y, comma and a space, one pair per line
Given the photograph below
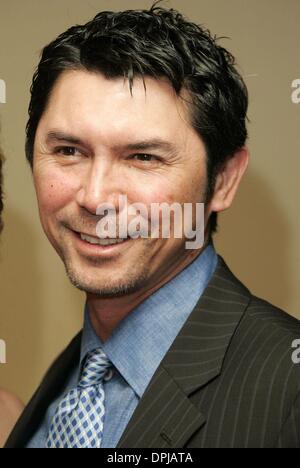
95, 142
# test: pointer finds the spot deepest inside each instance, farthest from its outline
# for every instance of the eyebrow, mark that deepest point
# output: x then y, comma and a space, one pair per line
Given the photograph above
151, 144
142, 145
60, 136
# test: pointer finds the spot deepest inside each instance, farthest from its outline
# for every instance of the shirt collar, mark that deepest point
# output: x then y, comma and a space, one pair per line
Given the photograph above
142, 339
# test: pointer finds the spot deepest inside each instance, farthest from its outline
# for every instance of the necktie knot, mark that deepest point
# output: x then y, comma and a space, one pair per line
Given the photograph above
95, 368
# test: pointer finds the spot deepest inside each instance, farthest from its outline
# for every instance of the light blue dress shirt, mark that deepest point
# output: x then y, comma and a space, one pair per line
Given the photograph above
137, 347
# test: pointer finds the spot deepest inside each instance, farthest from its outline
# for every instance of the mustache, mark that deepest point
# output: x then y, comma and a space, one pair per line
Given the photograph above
87, 223
81, 223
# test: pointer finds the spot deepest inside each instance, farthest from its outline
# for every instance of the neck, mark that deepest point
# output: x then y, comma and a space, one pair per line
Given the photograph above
107, 313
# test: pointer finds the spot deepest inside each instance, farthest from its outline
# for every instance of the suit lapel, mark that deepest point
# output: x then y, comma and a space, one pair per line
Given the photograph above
162, 413
166, 416
51, 386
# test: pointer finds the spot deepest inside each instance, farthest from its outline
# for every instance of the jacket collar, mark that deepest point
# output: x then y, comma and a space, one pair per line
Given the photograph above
194, 359
166, 416
197, 354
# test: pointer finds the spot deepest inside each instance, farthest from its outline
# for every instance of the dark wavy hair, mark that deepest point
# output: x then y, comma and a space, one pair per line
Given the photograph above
159, 43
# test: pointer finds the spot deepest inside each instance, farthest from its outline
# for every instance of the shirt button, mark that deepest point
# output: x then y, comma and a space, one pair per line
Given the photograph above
109, 375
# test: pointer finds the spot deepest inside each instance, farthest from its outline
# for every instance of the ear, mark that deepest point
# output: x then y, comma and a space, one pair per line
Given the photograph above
228, 181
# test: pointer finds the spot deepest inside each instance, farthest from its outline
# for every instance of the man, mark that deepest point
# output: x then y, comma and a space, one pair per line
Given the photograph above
175, 351
10, 406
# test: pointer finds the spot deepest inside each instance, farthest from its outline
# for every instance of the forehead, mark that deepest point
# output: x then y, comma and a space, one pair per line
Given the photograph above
88, 103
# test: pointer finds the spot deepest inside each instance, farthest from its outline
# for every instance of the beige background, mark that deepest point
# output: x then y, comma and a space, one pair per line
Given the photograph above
259, 236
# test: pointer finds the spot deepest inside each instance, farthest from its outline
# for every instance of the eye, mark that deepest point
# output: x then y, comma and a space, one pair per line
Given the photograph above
143, 157
67, 151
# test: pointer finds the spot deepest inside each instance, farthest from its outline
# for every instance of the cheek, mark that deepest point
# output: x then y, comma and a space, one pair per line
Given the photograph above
180, 191
53, 193
182, 185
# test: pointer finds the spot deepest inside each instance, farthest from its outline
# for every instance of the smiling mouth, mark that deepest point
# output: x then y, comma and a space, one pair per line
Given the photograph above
103, 242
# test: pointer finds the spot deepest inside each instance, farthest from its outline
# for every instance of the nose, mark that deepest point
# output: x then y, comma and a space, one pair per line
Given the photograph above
100, 184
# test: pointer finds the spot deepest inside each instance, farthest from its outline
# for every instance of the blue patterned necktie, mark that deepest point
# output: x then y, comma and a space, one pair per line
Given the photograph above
79, 419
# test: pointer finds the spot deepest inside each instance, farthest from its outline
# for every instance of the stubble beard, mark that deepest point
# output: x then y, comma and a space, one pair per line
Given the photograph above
133, 280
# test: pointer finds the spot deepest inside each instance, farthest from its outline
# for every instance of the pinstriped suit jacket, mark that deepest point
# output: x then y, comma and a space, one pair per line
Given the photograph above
228, 380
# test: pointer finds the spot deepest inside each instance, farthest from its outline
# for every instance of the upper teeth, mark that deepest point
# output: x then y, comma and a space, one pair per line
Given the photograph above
94, 240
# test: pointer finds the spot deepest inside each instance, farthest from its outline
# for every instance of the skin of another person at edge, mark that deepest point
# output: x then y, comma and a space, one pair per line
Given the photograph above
10, 406
87, 152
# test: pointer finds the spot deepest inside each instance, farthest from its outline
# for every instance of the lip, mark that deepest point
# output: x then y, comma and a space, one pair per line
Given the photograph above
99, 250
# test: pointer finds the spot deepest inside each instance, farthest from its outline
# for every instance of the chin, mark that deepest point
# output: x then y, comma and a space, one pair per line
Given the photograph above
106, 288
105, 291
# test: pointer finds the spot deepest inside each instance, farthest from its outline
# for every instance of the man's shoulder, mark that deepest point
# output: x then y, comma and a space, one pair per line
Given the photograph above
266, 341
266, 337
272, 318
258, 310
